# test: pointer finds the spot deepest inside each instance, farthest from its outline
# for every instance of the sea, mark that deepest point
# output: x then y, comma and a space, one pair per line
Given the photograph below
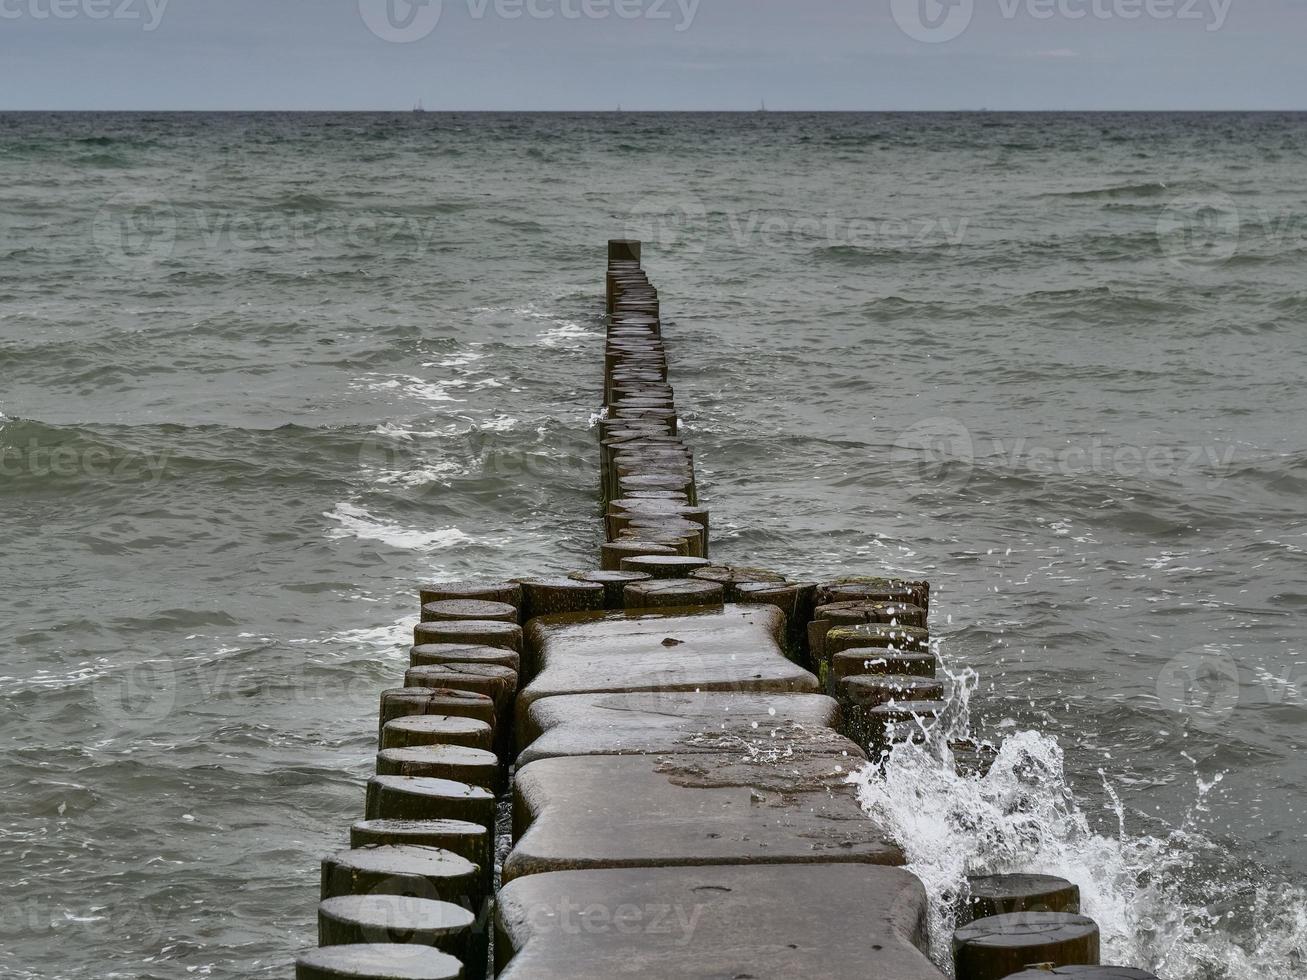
265, 373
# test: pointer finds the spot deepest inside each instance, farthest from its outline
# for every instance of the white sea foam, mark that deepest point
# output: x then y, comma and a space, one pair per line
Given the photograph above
439, 471
413, 387
1023, 817
396, 444
461, 359
356, 522
566, 334
395, 637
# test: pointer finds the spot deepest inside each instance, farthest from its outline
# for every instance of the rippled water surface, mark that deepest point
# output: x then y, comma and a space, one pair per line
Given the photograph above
263, 373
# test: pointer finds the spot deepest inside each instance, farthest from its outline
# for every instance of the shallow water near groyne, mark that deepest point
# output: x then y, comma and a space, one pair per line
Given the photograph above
263, 372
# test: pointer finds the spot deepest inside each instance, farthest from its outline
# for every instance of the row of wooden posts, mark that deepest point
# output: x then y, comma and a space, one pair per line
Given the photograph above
474, 831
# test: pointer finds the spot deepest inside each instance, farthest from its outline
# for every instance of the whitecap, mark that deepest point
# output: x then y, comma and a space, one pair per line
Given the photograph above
566, 334
395, 636
413, 387
356, 522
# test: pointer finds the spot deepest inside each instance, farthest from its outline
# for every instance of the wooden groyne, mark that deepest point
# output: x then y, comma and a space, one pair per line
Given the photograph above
642, 769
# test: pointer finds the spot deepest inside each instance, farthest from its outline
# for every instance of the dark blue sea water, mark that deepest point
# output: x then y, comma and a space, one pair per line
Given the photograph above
262, 373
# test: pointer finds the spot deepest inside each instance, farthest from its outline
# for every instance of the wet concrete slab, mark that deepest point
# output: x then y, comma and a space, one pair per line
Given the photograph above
682, 722
780, 922
690, 809
722, 648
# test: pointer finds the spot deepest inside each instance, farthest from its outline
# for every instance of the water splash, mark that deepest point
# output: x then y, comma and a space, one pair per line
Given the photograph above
1178, 904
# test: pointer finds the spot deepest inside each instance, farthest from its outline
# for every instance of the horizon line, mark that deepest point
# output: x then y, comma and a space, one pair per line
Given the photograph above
626, 111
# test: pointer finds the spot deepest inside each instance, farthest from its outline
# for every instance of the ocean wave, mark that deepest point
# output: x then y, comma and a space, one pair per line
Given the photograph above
302, 203
568, 334
412, 387
1152, 188
907, 251
356, 522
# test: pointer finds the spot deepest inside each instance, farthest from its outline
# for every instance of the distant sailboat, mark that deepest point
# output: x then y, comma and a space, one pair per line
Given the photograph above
418, 109
762, 106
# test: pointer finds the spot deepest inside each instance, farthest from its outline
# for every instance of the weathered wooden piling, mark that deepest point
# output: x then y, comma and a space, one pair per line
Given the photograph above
991, 895
999, 946
424, 798
464, 609
405, 701
614, 584
668, 750
352, 920
405, 733
421, 872
472, 841
434, 654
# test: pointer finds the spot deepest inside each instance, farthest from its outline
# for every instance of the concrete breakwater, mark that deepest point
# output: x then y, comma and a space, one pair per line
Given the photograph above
642, 769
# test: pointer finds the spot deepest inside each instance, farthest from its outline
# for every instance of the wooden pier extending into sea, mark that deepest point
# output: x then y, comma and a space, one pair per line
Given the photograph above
642, 769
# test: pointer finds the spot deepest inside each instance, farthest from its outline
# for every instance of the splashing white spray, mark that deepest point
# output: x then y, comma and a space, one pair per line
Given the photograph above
1023, 817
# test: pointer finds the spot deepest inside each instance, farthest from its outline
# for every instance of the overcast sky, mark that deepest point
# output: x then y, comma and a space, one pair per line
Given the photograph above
653, 54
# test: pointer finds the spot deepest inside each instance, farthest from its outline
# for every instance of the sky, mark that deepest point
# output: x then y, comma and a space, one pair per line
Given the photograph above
653, 54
